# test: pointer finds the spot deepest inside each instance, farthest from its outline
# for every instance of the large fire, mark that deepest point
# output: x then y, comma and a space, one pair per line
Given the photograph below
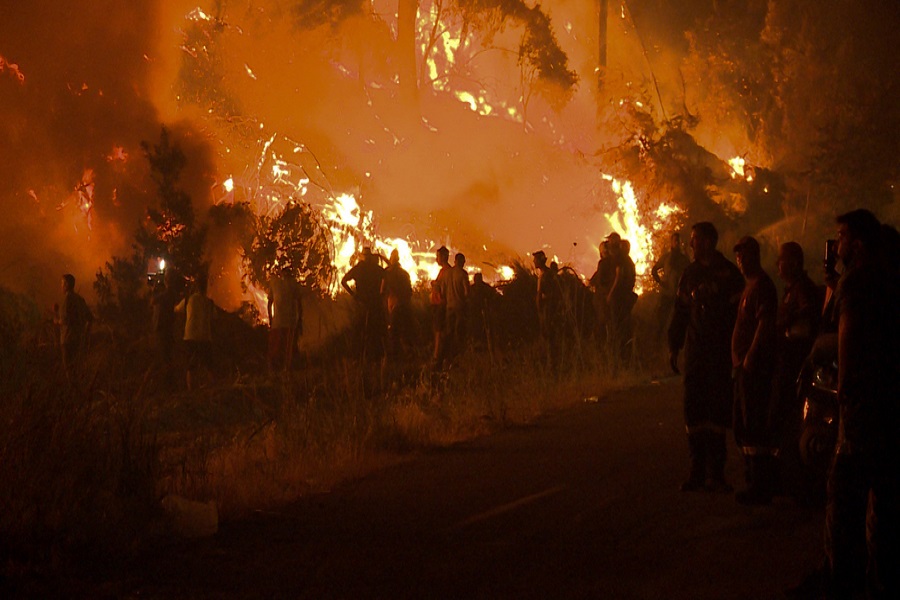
489, 166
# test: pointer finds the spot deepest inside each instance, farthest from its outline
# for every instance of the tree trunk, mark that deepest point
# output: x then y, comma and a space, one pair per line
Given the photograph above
406, 53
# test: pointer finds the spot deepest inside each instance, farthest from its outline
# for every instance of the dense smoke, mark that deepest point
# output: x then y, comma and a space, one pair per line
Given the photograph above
486, 161
73, 180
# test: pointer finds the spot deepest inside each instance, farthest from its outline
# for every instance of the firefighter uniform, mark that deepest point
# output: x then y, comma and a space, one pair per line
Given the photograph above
702, 322
797, 325
753, 427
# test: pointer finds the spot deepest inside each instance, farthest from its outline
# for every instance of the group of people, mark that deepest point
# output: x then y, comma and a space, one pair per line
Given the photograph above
385, 322
743, 350
74, 319
613, 283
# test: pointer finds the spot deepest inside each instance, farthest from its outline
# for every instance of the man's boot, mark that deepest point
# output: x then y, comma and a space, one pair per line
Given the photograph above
759, 490
697, 477
717, 456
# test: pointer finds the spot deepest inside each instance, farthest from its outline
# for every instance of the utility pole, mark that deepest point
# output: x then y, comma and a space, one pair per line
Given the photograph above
602, 12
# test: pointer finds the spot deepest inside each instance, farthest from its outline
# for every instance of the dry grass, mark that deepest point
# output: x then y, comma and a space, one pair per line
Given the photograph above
86, 466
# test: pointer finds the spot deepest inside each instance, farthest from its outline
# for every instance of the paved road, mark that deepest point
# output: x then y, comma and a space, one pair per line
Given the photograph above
582, 504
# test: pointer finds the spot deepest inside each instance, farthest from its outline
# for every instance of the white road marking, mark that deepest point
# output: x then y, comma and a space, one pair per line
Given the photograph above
505, 508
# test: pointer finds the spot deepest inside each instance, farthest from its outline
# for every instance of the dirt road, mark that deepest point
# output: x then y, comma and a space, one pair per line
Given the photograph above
583, 504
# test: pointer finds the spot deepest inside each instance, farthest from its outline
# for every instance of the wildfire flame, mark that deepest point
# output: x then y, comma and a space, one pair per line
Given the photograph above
629, 223
442, 46
738, 169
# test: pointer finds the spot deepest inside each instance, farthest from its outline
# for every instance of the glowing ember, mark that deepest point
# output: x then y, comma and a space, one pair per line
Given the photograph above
737, 167
198, 15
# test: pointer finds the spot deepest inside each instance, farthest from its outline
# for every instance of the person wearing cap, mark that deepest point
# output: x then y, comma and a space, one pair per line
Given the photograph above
753, 360
366, 275
702, 323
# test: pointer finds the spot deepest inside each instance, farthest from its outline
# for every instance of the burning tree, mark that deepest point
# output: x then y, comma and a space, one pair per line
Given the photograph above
170, 230
295, 239
168, 233
421, 26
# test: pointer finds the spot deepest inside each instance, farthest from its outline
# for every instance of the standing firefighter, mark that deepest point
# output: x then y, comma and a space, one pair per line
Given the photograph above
753, 360
702, 322
797, 325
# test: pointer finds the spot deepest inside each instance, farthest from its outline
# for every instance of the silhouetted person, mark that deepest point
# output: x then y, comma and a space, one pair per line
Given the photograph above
703, 322
366, 275
753, 361
548, 300
666, 272
797, 326
396, 288
199, 310
163, 301
482, 297
865, 473
438, 304
285, 312
75, 319
601, 282
457, 298
621, 298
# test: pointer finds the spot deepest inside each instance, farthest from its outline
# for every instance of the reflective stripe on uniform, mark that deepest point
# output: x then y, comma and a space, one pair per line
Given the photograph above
705, 426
